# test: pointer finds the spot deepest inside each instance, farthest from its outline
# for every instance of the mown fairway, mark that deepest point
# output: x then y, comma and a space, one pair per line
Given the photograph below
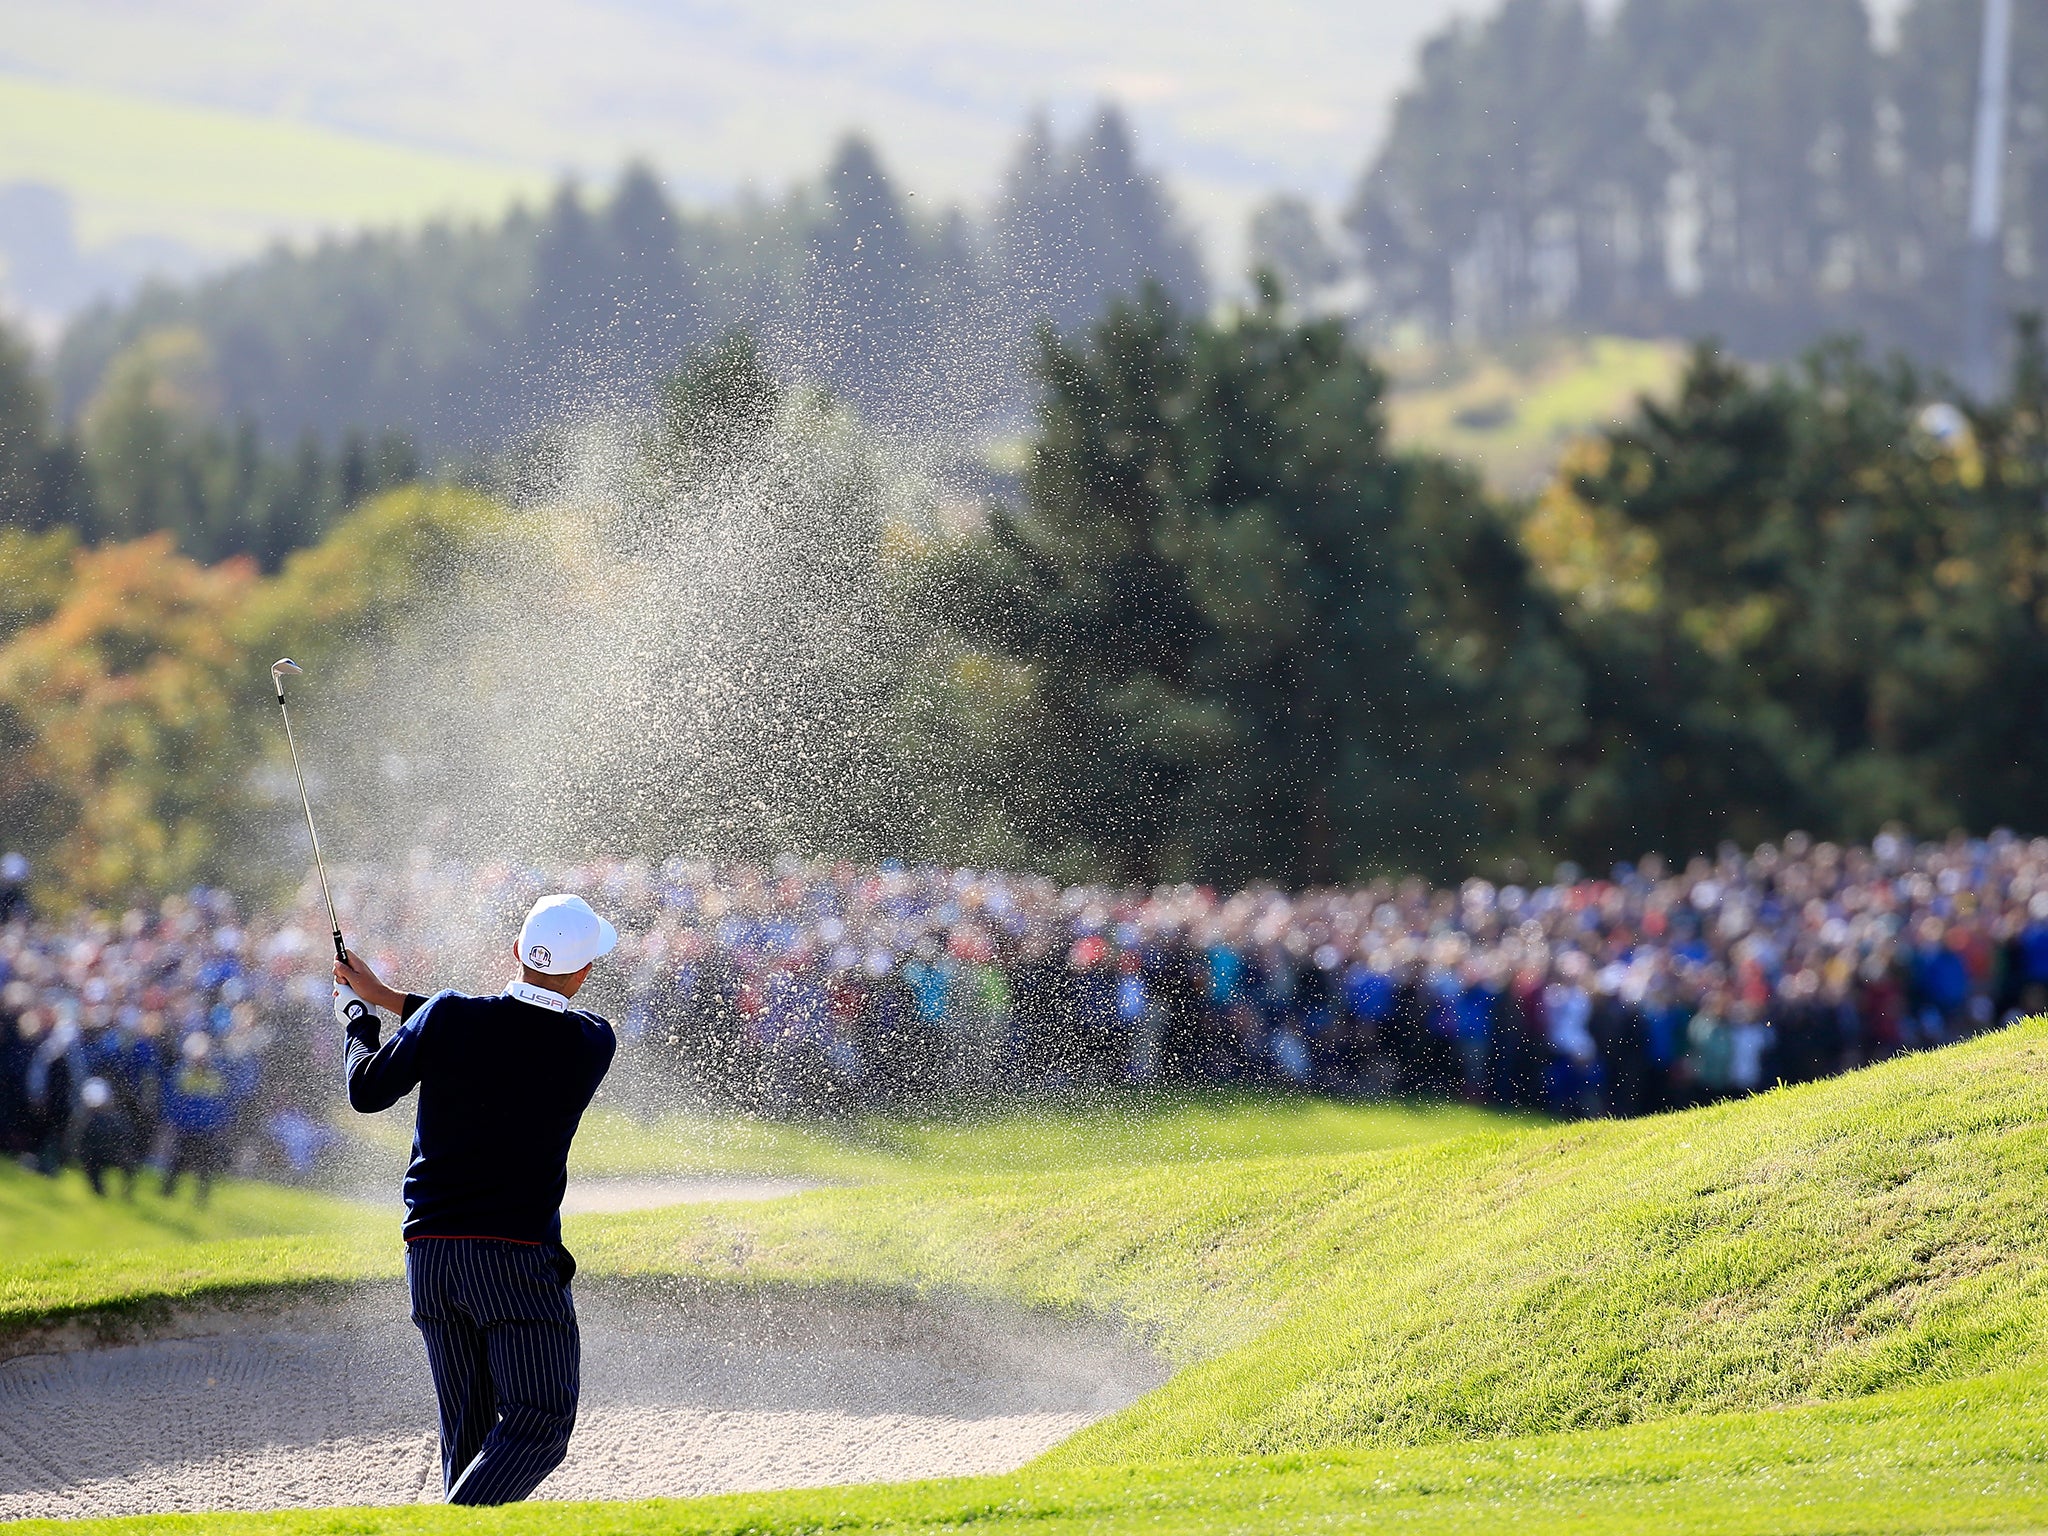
64, 1252
45, 1218
1093, 1131
1818, 1310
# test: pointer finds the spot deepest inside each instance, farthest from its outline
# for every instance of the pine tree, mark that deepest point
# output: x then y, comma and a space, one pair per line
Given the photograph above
1207, 583
569, 342
867, 278
655, 320
1080, 225
42, 476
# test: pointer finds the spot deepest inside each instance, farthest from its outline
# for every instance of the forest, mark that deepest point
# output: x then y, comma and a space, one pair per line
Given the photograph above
1222, 631
1763, 171
1205, 621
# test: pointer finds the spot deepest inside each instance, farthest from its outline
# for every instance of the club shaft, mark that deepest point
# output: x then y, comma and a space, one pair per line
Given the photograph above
305, 800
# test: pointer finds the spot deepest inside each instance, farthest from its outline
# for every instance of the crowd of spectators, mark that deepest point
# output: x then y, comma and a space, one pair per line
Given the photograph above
819, 987
170, 1041
194, 1039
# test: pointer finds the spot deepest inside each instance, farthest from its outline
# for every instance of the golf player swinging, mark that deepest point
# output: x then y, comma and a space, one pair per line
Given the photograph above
503, 1083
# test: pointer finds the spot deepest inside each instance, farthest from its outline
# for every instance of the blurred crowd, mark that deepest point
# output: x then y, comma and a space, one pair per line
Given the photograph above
190, 1038
820, 987
174, 1041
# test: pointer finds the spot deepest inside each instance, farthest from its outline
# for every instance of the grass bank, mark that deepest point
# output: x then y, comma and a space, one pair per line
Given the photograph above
1122, 1129
65, 1252
1824, 1242
1815, 1310
43, 1217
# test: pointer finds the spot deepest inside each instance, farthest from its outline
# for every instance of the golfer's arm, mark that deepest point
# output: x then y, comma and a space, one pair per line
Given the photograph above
382, 1073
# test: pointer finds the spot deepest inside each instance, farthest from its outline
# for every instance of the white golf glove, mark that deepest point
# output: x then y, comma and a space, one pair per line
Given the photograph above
348, 1008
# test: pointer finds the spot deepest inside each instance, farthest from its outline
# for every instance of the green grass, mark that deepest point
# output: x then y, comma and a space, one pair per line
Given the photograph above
65, 1251
1121, 1129
1946, 1459
1816, 1310
41, 1218
1510, 414
1877, 1231
225, 182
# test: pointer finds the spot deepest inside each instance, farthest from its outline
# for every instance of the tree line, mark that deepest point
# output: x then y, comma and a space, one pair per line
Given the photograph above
1762, 171
1222, 632
1250, 641
1758, 170
472, 335
152, 452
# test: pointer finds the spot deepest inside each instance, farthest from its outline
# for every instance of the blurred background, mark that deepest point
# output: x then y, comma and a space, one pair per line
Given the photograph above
1166, 462
1684, 397
1470, 173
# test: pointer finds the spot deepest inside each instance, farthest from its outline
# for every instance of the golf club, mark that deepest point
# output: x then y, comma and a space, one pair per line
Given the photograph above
347, 1006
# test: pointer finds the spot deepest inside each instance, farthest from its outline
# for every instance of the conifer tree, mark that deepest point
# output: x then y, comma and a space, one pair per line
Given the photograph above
655, 320
1206, 583
868, 274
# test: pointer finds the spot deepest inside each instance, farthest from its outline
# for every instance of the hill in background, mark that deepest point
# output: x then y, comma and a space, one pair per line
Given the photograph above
1510, 411
469, 335
171, 124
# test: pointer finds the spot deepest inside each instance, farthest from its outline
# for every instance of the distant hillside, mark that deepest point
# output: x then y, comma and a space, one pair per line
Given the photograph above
1510, 411
467, 335
719, 98
100, 188
1758, 170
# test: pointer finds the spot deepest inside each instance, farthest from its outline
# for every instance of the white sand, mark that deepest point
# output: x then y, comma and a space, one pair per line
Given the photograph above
697, 1395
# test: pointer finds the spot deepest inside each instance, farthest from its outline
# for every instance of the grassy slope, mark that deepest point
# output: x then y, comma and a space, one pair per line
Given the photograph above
1815, 1310
1821, 1242
63, 1253
224, 182
41, 1217
1120, 1129
1510, 414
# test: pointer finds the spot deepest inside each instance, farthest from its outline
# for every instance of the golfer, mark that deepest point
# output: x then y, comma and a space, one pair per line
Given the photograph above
503, 1082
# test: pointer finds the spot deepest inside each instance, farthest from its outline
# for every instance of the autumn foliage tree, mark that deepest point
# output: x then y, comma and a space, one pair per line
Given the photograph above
121, 722
133, 690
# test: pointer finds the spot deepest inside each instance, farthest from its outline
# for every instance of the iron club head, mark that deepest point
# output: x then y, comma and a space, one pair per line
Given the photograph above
279, 669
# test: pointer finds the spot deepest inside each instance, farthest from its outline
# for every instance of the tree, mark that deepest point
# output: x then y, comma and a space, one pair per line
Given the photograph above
1207, 589
717, 408
1847, 624
43, 482
655, 294
36, 571
570, 308
1687, 166
157, 457
868, 278
122, 720
1081, 224
1287, 240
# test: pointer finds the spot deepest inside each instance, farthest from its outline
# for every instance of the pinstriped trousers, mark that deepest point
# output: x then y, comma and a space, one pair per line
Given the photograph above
501, 1338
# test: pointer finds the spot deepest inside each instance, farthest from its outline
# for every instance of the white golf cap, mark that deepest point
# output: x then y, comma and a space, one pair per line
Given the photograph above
561, 934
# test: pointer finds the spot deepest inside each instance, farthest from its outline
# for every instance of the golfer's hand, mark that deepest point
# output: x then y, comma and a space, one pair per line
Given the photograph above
355, 973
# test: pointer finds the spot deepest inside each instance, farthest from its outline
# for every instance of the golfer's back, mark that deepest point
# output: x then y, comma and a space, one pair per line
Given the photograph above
503, 1085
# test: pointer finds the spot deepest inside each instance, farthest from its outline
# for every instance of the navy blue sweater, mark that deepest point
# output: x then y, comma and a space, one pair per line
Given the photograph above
503, 1085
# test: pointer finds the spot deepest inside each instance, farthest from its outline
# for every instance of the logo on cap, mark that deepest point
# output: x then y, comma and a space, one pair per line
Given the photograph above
539, 955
